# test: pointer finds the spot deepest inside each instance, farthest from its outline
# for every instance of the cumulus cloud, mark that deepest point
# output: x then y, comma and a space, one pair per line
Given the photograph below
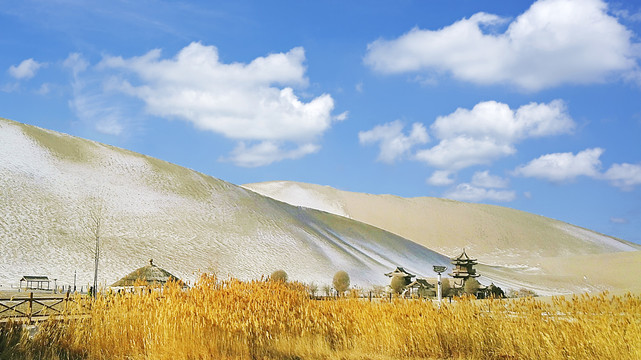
554, 42
467, 192
440, 178
486, 180
392, 142
625, 176
26, 69
560, 167
253, 103
490, 131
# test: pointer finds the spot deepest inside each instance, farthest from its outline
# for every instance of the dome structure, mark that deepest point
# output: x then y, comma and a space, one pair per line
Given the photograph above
150, 274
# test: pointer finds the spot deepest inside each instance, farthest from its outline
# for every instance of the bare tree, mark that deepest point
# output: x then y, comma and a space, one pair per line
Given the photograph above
94, 228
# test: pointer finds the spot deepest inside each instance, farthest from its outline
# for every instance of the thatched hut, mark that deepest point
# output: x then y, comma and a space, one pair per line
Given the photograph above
150, 275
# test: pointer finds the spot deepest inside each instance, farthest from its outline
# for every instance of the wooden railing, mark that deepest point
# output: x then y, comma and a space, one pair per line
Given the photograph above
33, 307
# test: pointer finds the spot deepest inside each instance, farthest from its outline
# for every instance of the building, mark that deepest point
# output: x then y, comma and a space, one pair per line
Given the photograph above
463, 269
399, 271
147, 275
35, 282
421, 287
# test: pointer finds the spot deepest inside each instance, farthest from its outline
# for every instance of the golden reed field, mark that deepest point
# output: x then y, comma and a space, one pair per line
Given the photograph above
231, 319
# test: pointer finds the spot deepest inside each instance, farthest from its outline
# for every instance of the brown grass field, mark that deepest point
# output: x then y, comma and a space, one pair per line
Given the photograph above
230, 319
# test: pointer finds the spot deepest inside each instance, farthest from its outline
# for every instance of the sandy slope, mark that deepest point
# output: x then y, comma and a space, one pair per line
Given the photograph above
186, 221
494, 234
519, 248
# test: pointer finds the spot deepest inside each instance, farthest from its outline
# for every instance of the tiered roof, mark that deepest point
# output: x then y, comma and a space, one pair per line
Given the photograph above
463, 266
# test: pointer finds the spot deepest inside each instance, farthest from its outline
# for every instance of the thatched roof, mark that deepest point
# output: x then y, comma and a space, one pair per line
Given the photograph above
151, 274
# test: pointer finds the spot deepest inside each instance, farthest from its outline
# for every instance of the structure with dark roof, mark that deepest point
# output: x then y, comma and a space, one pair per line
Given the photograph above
421, 287
150, 274
463, 269
36, 282
399, 271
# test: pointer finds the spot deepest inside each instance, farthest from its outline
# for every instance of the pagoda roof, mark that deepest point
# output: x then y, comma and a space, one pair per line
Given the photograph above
150, 274
463, 274
399, 271
463, 258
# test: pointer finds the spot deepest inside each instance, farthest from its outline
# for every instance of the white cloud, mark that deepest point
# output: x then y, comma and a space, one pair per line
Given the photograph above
467, 192
44, 89
26, 69
91, 104
393, 143
559, 167
624, 176
485, 180
461, 152
554, 42
76, 63
490, 130
440, 178
267, 152
245, 102
617, 220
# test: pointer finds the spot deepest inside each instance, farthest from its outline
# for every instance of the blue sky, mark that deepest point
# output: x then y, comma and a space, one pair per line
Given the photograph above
529, 105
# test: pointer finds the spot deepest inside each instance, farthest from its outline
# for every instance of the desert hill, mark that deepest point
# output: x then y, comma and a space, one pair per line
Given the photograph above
189, 222
186, 221
515, 247
491, 233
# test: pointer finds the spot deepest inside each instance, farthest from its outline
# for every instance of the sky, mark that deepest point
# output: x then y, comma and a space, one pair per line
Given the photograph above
532, 105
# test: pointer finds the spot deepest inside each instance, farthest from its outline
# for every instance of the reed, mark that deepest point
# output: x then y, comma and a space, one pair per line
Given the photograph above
231, 319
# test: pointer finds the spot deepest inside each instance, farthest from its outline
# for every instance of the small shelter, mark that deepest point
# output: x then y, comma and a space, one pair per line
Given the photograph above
150, 274
421, 287
36, 282
463, 269
399, 271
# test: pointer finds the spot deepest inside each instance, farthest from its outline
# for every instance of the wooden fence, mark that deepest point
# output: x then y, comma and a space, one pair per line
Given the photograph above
34, 307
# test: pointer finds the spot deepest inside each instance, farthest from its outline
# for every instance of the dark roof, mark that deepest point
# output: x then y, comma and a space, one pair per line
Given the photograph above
463, 258
34, 278
420, 283
399, 271
150, 274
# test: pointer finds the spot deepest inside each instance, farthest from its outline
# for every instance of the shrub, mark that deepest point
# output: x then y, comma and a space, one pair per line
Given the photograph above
471, 286
446, 287
341, 281
398, 284
279, 275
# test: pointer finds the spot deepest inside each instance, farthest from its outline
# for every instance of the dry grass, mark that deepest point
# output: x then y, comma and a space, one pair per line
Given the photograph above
272, 320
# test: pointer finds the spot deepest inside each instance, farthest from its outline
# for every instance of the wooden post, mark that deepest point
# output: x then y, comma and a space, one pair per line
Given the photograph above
67, 300
30, 305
